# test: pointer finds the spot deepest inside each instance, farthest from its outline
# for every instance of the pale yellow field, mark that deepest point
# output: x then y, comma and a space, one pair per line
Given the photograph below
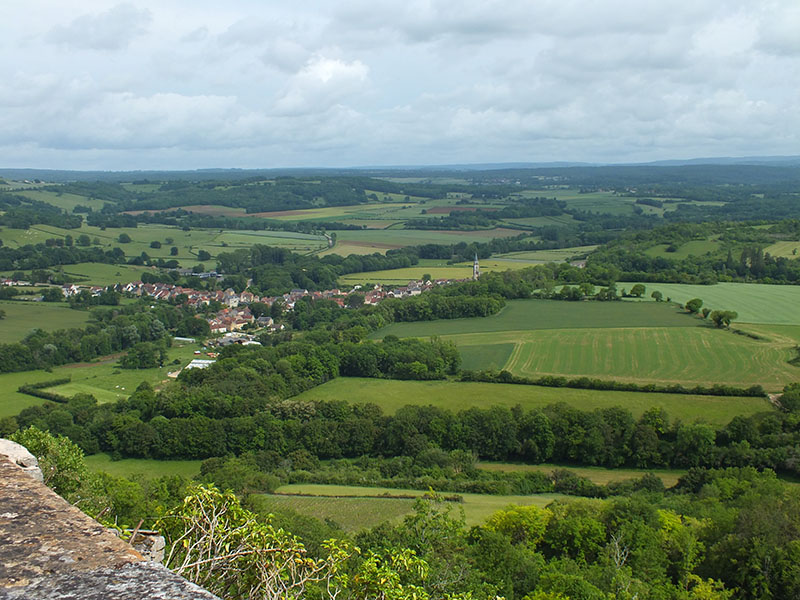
785, 249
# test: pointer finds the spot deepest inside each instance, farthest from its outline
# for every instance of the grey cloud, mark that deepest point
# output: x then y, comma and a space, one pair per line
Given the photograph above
285, 54
779, 31
248, 32
197, 35
110, 30
257, 82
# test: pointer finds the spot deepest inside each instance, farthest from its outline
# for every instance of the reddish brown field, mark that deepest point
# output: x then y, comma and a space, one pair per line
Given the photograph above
200, 209
446, 210
279, 213
494, 233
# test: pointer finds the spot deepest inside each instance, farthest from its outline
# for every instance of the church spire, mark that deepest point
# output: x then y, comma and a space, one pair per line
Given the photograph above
476, 269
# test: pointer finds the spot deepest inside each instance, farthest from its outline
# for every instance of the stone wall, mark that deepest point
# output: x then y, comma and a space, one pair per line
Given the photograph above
50, 550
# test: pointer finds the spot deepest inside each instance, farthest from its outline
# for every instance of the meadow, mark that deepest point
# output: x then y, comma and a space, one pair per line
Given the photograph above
103, 379
349, 508
22, 317
147, 468
392, 395
754, 302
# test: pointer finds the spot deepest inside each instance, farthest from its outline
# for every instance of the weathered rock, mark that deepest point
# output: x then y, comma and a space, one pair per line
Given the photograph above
149, 544
20, 456
51, 550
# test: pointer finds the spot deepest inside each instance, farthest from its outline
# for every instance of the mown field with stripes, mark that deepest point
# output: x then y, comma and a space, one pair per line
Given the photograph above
640, 342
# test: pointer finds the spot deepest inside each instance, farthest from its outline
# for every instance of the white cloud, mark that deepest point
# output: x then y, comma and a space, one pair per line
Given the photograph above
321, 83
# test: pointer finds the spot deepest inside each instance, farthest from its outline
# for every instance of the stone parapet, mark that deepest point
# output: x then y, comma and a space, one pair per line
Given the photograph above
51, 550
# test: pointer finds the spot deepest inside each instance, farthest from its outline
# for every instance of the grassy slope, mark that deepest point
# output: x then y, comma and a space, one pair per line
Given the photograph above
24, 317
391, 395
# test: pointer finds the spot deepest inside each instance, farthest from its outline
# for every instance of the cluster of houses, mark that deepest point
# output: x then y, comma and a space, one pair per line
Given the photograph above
235, 319
236, 314
15, 282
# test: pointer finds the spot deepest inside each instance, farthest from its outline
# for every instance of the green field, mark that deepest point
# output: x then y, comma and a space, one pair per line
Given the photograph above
148, 468
597, 475
755, 302
347, 506
489, 356
526, 315
22, 317
392, 395
103, 379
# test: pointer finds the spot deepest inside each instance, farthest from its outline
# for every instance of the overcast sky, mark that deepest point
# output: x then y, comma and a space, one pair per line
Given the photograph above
173, 84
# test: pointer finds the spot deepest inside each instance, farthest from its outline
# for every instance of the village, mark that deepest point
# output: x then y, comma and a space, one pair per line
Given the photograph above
236, 314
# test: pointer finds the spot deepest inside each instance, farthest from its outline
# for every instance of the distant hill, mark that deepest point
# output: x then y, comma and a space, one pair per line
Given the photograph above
775, 161
718, 169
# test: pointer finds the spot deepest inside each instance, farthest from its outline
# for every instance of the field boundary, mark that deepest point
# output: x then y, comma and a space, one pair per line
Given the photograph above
37, 390
386, 496
588, 383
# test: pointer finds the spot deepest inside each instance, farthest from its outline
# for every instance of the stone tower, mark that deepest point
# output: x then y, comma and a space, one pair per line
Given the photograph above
476, 269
